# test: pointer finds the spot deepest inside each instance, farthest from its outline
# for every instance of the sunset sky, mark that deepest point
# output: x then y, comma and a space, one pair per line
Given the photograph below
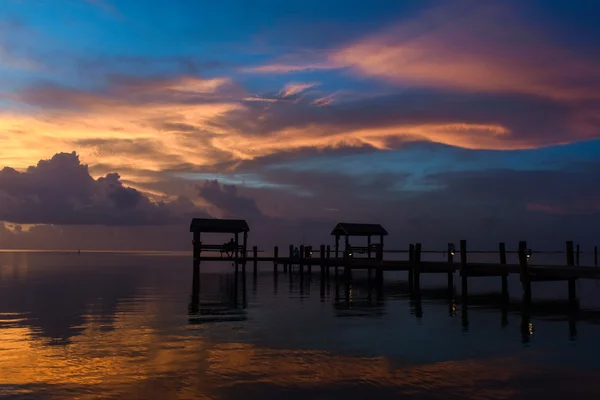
122, 119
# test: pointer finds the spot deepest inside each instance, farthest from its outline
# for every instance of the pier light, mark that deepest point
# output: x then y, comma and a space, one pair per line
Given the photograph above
529, 253
451, 249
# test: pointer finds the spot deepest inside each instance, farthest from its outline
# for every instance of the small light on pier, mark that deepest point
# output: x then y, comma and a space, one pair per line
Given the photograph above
529, 253
451, 249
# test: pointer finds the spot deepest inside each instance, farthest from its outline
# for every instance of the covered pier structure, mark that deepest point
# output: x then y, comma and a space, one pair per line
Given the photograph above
348, 229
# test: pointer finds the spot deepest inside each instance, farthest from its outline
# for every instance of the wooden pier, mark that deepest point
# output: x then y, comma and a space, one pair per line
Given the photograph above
372, 260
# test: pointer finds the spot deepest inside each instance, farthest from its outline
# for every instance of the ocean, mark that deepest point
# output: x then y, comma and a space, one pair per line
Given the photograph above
128, 326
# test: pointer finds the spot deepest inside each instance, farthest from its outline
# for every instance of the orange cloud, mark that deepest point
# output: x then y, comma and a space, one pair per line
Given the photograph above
141, 126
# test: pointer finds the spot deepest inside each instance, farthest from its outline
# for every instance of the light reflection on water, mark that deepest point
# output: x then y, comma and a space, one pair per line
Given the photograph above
107, 326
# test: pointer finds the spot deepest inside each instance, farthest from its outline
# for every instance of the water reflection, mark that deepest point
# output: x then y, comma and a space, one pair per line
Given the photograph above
141, 333
220, 299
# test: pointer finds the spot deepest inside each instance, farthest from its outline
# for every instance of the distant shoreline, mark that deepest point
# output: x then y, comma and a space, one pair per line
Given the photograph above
141, 252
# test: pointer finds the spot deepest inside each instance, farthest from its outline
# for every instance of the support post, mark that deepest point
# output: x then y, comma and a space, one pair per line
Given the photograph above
411, 260
255, 256
502, 251
577, 256
275, 257
236, 253
347, 266
464, 274
571, 262
322, 256
197, 246
337, 249
525, 278
347, 243
380, 252
307, 255
450, 273
245, 245
369, 246
291, 259
328, 262
301, 262
416, 267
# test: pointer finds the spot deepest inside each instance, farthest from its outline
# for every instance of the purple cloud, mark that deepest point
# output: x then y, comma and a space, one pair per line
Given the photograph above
61, 191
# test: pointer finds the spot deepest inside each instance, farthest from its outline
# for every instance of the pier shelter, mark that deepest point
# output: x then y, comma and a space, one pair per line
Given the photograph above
216, 225
347, 230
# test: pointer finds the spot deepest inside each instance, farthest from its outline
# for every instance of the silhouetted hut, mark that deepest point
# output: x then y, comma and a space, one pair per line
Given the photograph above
215, 225
365, 230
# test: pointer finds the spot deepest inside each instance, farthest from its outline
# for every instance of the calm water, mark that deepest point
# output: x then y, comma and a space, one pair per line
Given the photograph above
127, 327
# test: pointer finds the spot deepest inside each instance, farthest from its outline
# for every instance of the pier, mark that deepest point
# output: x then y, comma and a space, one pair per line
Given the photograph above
371, 259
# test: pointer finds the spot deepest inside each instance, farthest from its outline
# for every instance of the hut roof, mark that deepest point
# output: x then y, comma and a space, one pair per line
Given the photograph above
353, 229
216, 225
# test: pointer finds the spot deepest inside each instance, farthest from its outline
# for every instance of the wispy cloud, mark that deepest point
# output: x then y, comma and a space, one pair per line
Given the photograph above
9, 60
282, 68
294, 88
106, 6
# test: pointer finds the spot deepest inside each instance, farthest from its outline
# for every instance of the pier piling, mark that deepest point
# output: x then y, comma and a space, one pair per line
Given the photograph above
572, 281
450, 273
502, 252
463, 270
525, 277
416, 267
411, 260
275, 257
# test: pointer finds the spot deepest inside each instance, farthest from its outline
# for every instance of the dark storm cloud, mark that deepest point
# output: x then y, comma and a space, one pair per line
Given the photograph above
61, 191
226, 198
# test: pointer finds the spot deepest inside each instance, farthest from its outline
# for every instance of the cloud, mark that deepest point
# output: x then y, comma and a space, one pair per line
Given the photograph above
287, 68
61, 191
294, 88
228, 201
460, 46
12, 61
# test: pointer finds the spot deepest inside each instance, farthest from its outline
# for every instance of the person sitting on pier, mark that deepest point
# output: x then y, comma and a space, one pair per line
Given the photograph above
228, 248
296, 252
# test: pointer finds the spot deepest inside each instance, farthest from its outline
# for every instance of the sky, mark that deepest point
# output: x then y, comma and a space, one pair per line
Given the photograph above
120, 120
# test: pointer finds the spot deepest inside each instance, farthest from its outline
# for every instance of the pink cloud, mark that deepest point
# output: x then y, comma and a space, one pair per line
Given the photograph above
463, 48
546, 208
294, 88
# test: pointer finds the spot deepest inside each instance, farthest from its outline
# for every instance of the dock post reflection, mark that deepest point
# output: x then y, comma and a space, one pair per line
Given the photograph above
573, 325
244, 295
452, 307
464, 317
416, 305
526, 325
504, 312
